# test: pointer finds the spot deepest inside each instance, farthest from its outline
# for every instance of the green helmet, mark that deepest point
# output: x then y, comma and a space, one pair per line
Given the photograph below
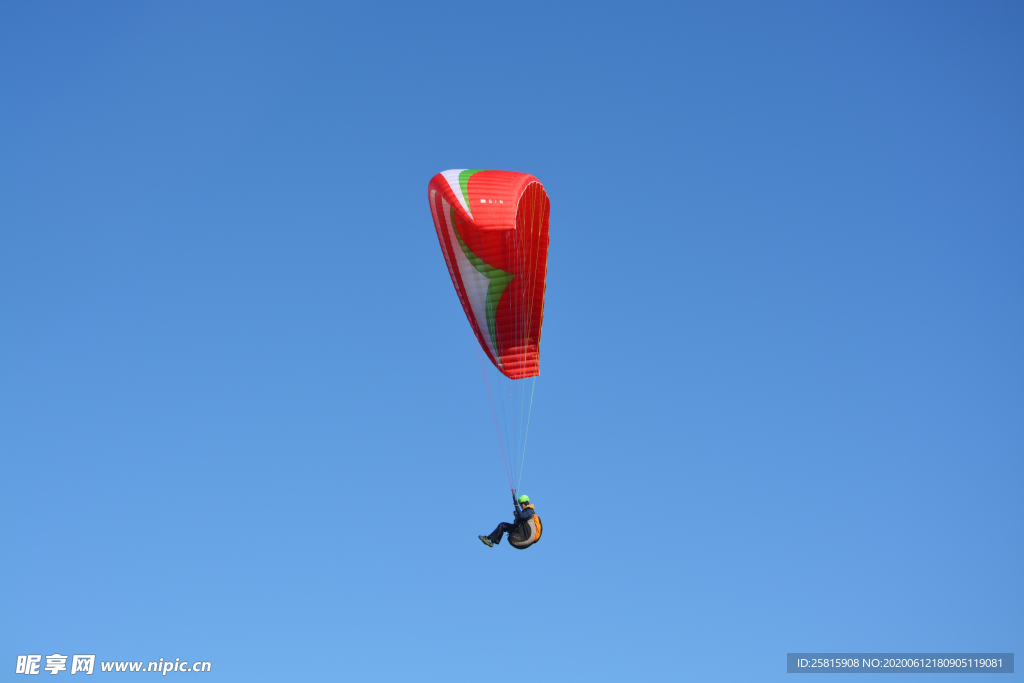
524, 498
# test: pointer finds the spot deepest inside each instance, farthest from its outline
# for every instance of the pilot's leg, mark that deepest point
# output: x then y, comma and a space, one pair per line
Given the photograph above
497, 533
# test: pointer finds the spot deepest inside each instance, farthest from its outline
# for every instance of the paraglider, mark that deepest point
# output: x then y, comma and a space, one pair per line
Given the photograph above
522, 533
493, 230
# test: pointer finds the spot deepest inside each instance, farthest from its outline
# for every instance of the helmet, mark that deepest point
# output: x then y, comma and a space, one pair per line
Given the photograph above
524, 498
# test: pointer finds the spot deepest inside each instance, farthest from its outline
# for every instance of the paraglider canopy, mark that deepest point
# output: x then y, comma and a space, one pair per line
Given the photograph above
493, 230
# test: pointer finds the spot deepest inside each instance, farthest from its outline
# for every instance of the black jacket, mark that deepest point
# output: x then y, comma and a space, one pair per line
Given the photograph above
524, 513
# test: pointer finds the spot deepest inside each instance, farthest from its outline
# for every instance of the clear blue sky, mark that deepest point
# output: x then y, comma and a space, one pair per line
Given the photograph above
782, 389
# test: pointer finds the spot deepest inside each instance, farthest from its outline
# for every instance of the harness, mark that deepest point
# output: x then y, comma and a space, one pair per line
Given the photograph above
527, 533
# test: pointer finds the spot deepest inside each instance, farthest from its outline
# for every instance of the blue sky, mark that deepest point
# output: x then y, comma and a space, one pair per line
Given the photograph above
241, 417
